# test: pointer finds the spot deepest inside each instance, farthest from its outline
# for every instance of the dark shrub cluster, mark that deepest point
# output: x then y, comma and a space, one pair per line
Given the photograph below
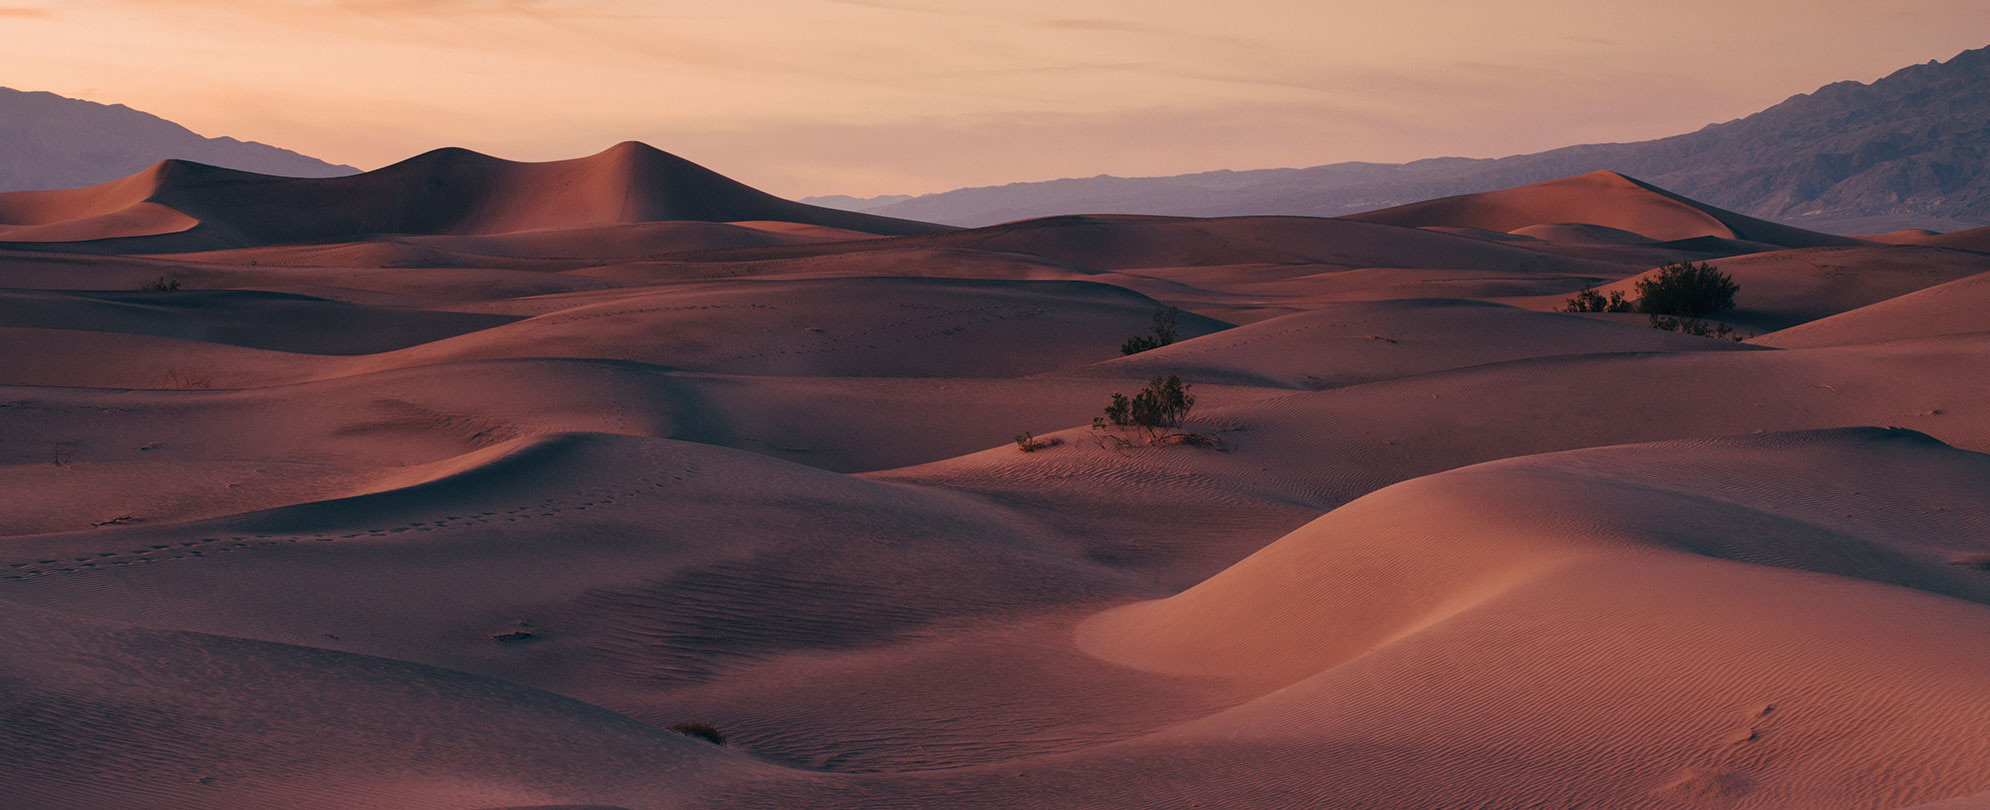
1588, 299
1162, 333
1686, 290
704, 731
1164, 403
1030, 442
1697, 328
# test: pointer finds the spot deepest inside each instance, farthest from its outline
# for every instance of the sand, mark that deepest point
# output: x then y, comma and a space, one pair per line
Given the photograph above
1621, 204
456, 484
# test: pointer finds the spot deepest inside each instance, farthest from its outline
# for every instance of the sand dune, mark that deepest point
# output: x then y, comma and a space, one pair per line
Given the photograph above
1954, 308
1349, 344
835, 327
458, 483
1602, 198
1126, 242
445, 192
240, 318
1609, 535
1355, 652
1541, 514
387, 734
1906, 236
551, 249
1581, 233
129, 198
1977, 239
1783, 288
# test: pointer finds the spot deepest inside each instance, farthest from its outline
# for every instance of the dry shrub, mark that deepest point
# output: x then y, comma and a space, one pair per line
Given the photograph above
704, 731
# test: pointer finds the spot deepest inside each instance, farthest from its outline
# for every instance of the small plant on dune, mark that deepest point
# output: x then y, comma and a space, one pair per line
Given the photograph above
1697, 328
187, 378
1164, 403
1029, 442
1161, 334
1588, 299
1157, 411
704, 731
1686, 290
163, 284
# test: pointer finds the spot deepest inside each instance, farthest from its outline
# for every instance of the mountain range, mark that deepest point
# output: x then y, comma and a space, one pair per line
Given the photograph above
1906, 151
49, 141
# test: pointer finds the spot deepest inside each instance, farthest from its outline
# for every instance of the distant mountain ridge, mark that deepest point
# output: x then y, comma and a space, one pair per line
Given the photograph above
52, 142
1909, 150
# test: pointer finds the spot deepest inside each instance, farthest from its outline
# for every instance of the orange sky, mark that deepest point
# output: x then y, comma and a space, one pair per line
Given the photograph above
880, 96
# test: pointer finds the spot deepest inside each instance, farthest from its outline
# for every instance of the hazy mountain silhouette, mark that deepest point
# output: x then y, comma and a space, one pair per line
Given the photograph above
1906, 151
49, 142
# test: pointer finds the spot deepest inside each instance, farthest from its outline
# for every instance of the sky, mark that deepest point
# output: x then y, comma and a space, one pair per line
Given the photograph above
867, 97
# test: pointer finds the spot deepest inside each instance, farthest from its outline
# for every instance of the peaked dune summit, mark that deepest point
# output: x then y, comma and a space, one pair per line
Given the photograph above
179, 206
1603, 198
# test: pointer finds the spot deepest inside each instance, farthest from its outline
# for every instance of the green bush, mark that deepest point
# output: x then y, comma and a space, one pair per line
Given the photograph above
164, 284
1686, 290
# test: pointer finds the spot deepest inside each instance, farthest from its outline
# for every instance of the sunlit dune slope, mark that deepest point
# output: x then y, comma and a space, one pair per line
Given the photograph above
1602, 198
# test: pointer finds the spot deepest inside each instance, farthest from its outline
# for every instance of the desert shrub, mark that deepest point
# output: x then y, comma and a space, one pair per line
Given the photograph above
163, 284
1164, 325
1697, 328
1686, 290
1162, 333
704, 731
1164, 403
1588, 299
187, 378
1155, 412
1029, 442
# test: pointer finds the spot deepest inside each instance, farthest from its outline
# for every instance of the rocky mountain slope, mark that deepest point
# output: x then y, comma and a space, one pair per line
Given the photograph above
1905, 151
49, 142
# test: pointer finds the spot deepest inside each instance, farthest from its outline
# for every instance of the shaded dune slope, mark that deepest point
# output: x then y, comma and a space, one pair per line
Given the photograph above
1343, 344
173, 719
838, 327
1126, 242
1734, 621
1977, 239
1783, 288
1957, 307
